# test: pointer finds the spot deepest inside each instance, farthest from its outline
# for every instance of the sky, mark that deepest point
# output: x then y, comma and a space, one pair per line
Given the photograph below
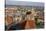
28, 0
24, 3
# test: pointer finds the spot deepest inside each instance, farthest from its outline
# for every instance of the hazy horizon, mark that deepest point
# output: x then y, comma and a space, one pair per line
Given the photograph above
24, 3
